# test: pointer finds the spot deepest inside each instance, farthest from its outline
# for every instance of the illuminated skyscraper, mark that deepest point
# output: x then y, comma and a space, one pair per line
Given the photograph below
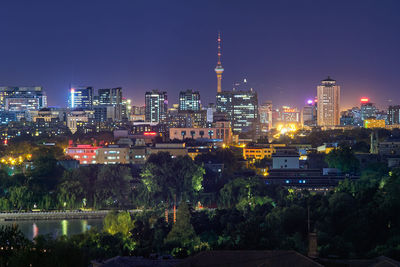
265, 111
22, 98
156, 106
328, 112
219, 69
241, 108
112, 97
81, 97
189, 100
309, 114
393, 115
368, 109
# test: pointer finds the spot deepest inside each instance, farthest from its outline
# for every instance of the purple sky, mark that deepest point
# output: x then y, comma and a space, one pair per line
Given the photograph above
284, 48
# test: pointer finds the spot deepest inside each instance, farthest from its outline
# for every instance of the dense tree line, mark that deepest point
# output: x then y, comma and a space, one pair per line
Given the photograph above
357, 220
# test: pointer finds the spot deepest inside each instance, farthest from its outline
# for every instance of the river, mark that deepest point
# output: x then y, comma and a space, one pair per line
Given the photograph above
55, 227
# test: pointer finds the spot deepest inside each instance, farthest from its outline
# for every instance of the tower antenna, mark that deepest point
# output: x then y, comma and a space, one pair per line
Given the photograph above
219, 69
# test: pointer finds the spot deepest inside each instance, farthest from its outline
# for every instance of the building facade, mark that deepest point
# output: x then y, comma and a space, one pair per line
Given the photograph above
328, 96
156, 106
220, 130
393, 116
85, 154
113, 154
265, 112
241, 108
189, 100
112, 97
22, 98
81, 97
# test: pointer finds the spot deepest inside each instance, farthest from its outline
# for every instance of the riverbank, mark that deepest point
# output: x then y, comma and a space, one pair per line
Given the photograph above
56, 215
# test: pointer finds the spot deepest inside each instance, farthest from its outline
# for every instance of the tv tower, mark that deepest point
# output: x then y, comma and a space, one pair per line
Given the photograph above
219, 69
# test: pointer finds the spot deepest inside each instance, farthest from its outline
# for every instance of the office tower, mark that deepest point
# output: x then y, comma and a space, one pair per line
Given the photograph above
368, 109
265, 111
189, 100
393, 116
241, 108
351, 117
81, 97
309, 114
112, 97
126, 108
22, 98
328, 95
156, 105
219, 69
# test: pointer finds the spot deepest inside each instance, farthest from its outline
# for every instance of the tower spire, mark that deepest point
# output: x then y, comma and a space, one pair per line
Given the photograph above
219, 69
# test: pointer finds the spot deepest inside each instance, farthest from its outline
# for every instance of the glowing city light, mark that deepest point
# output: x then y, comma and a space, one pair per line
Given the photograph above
364, 100
72, 97
309, 101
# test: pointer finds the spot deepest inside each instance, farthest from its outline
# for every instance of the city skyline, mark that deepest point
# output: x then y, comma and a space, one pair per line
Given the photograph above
283, 52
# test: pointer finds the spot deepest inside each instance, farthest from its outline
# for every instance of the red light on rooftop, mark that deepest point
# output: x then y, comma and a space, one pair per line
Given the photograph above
364, 100
149, 133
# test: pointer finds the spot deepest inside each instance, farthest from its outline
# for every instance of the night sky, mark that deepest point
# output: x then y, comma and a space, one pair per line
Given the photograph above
283, 48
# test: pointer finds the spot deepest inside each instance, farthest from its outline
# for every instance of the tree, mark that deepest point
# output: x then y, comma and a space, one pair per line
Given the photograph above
343, 159
71, 193
165, 178
242, 193
119, 222
112, 185
182, 233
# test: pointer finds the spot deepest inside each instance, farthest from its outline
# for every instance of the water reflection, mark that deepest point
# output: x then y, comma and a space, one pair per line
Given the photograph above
55, 228
35, 230
64, 224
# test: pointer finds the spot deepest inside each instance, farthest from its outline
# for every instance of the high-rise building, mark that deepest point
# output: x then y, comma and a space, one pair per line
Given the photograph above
189, 100
309, 115
156, 105
368, 109
328, 95
22, 98
265, 111
112, 97
219, 69
241, 108
393, 116
81, 97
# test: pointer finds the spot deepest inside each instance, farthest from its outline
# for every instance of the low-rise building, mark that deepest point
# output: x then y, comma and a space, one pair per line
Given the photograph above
85, 154
285, 159
172, 148
219, 130
389, 148
260, 152
374, 123
113, 154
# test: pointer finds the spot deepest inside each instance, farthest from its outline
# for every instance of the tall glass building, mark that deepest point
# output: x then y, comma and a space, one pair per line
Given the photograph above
189, 100
22, 98
156, 106
111, 97
81, 97
241, 108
